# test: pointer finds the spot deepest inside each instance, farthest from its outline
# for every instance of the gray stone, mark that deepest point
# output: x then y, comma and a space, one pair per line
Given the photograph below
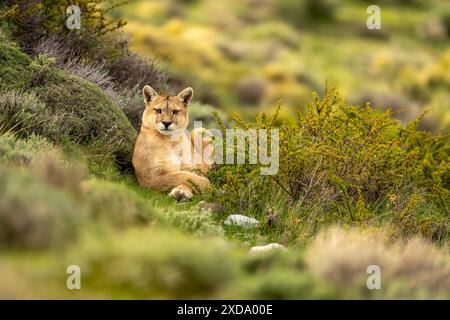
241, 221
267, 248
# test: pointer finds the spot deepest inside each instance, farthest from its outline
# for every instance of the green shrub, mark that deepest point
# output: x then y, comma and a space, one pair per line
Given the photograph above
33, 214
200, 223
41, 69
60, 106
280, 275
116, 204
46, 162
33, 20
282, 284
40, 28
45, 199
86, 114
14, 66
21, 152
343, 163
300, 13
153, 264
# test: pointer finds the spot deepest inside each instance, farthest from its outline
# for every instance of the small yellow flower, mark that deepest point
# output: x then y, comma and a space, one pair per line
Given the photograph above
392, 197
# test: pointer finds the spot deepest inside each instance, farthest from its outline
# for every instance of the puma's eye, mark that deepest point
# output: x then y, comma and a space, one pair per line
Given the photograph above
157, 110
176, 111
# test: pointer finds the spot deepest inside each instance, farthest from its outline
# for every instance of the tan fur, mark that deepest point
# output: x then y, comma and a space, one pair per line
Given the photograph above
156, 162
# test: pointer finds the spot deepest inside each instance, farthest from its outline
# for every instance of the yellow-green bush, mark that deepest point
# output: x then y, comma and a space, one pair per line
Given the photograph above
113, 203
148, 263
346, 163
33, 214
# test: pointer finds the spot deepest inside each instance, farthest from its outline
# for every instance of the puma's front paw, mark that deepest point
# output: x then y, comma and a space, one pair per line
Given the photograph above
181, 194
204, 137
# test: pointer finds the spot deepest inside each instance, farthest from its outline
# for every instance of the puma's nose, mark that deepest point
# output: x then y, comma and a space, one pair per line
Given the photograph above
166, 124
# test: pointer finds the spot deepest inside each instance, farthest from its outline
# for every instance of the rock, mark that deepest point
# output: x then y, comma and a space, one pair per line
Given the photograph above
211, 206
267, 248
241, 221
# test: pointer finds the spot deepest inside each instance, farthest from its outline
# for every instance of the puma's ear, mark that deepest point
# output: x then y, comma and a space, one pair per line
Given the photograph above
149, 93
186, 95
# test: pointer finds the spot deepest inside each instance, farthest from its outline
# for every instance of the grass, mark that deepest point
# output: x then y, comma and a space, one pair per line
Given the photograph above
136, 243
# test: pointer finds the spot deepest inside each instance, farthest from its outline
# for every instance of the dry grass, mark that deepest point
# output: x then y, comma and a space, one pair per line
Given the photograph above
12, 283
343, 257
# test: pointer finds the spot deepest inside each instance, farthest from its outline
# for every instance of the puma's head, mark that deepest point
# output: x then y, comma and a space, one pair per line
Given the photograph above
166, 113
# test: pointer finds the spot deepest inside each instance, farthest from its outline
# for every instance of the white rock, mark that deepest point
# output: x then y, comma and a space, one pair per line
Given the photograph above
241, 221
266, 248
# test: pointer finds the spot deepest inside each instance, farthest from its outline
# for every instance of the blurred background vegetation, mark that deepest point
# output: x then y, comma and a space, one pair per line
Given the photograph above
245, 55
356, 187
